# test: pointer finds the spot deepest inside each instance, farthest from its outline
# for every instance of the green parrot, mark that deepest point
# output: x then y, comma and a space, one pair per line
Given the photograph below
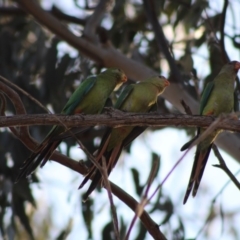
137, 98
217, 99
88, 98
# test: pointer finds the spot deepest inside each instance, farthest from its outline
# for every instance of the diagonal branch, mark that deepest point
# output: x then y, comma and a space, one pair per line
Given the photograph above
160, 38
127, 199
21, 132
144, 199
96, 18
58, 28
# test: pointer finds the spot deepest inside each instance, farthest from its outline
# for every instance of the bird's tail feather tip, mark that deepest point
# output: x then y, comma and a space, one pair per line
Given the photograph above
85, 198
188, 191
185, 198
17, 180
195, 189
84, 181
21, 175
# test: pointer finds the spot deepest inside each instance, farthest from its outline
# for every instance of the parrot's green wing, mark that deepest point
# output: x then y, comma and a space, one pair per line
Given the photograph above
79, 94
72, 103
122, 98
205, 96
204, 99
124, 95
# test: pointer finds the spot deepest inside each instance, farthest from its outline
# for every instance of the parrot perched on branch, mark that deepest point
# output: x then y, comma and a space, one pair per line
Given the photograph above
88, 98
217, 99
137, 98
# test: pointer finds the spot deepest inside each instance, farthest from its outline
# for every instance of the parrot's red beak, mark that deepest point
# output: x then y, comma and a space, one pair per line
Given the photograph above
237, 66
124, 79
166, 83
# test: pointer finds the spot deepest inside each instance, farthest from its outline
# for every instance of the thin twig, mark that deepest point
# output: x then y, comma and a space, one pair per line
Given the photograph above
224, 167
14, 86
109, 192
186, 107
209, 217
142, 204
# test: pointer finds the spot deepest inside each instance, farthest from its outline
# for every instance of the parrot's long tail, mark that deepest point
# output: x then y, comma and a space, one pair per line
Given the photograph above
111, 159
199, 165
41, 156
188, 144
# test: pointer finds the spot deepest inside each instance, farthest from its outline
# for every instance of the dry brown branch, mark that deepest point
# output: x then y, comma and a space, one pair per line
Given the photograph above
123, 119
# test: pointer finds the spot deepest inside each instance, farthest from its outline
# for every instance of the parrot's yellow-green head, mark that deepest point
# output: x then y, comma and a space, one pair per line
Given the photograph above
231, 67
120, 77
160, 82
117, 74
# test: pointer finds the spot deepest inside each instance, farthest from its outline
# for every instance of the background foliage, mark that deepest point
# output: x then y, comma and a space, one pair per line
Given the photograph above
40, 62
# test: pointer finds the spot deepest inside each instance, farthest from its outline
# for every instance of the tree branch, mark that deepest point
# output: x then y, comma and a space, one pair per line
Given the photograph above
222, 34
160, 38
116, 119
95, 19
